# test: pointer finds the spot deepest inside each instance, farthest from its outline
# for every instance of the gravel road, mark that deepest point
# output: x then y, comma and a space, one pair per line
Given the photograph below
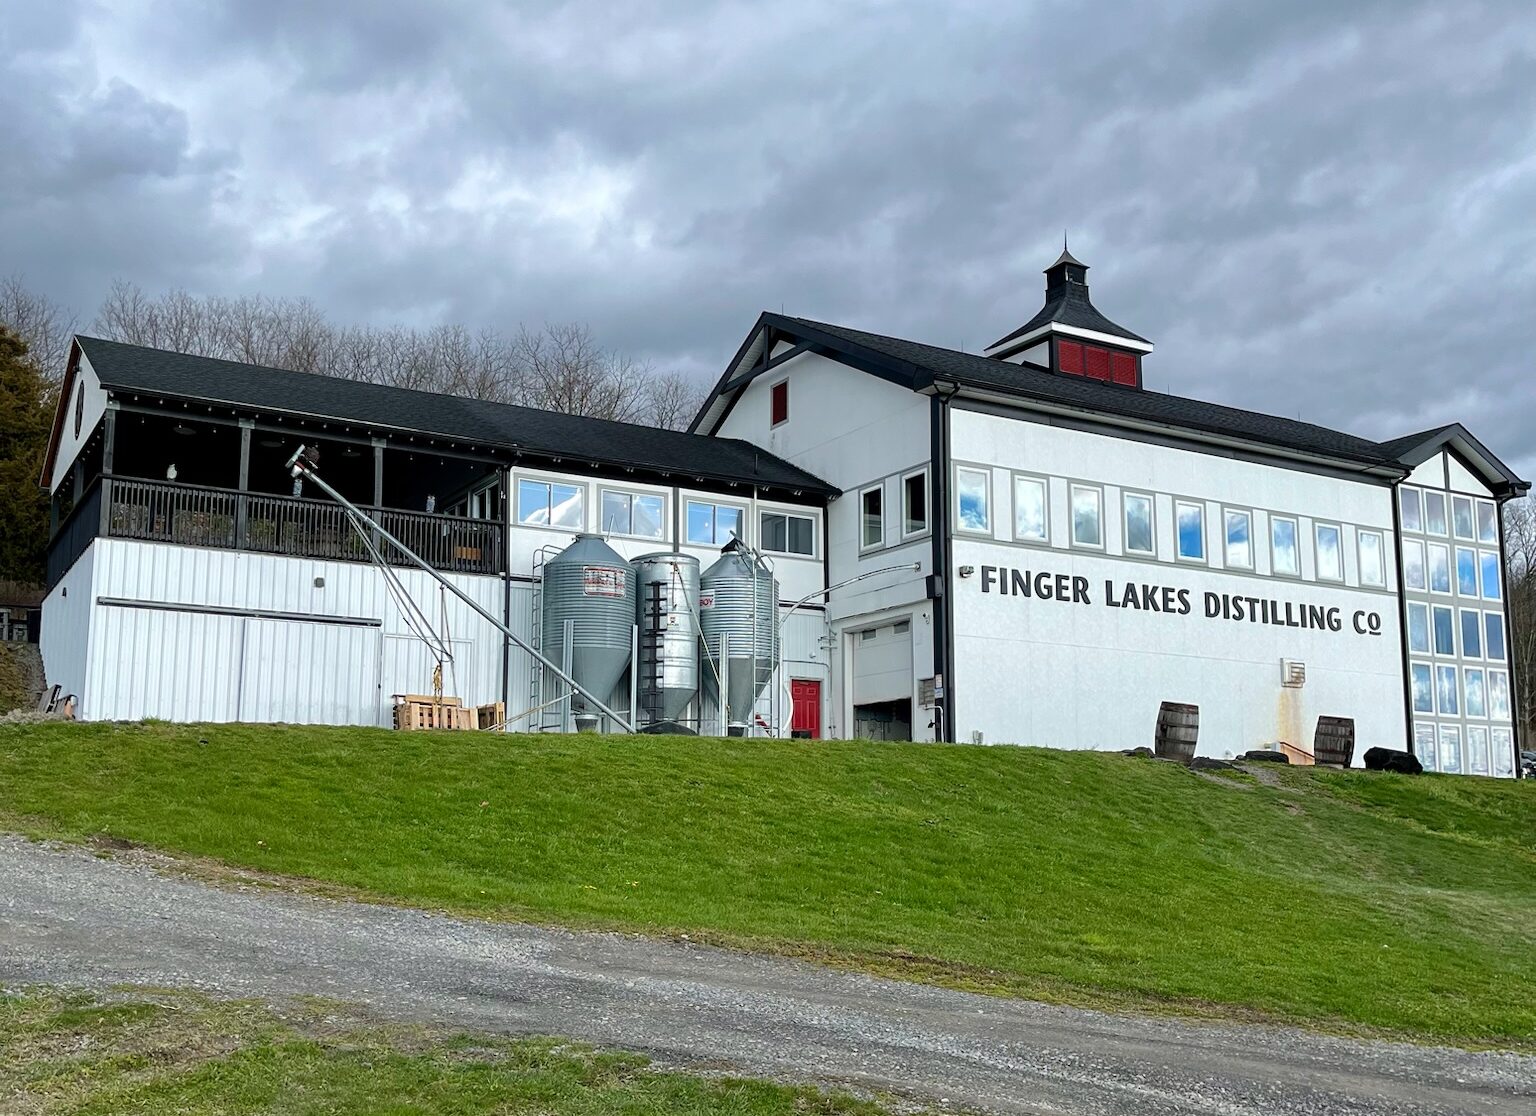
70, 918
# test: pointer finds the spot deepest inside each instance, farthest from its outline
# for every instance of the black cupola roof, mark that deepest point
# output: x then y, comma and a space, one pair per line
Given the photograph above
1066, 304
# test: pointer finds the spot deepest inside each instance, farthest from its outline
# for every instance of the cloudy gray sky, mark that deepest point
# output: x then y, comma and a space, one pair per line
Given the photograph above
1325, 208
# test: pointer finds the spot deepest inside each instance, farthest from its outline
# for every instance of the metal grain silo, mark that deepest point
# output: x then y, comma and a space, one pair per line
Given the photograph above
739, 610
589, 584
667, 588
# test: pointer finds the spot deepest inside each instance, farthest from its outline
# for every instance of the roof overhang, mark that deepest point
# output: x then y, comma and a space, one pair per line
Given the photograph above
60, 411
1009, 346
1501, 480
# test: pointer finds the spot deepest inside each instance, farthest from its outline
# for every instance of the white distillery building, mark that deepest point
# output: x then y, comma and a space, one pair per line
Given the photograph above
1022, 546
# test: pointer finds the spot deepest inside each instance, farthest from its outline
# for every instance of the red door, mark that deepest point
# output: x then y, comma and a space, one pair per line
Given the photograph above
805, 717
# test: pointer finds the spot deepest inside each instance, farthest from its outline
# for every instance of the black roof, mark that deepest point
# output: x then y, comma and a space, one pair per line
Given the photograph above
529, 430
930, 362
1071, 307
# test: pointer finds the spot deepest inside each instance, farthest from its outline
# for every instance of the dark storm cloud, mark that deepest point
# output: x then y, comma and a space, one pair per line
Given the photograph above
1312, 208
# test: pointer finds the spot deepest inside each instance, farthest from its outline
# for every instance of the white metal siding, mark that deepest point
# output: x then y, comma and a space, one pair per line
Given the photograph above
178, 666
65, 638
305, 673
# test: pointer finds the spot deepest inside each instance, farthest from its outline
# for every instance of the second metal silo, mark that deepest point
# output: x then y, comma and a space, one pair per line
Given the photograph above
590, 585
739, 615
667, 591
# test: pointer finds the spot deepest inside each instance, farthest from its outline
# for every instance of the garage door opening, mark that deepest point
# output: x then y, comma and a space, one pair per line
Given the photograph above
883, 720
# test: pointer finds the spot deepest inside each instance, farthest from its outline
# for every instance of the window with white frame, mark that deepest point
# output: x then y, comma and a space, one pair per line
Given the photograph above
1487, 522
639, 515
1450, 749
1443, 625
914, 503
1139, 535
1373, 566
1418, 628
1285, 546
1412, 509
1423, 685
872, 517
551, 504
1474, 692
1477, 747
1434, 513
1498, 695
711, 524
1087, 515
1463, 522
1414, 574
1493, 633
1471, 634
787, 533
1031, 518
1502, 741
1239, 531
1189, 530
1447, 691
1491, 590
1330, 553
1466, 571
973, 491
1424, 749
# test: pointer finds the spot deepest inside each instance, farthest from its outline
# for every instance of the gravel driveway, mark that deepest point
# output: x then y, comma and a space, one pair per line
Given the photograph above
70, 918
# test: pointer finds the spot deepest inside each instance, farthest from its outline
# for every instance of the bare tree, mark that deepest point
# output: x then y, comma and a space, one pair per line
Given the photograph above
42, 323
563, 368
1520, 559
671, 400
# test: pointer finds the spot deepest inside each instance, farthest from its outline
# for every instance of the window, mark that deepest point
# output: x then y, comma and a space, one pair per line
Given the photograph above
1031, 521
1373, 570
1477, 697
1471, 633
1493, 628
1190, 521
1450, 749
914, 504
973, 495
549, 504
1447, 693
1413, 509
1423, 688
632, 513
1138, 524
1418, 628
1487, 522
1282, 538
1444, 629
871, 518
786, 533
1466, 571
1461, 518
1503, 752
1087, 516
1424, 745
1498, 695
1330, 559
780, 402
1439, 568
1413, 565
1491, 590
1434, 513
1239, 539
1477, 750
713, 524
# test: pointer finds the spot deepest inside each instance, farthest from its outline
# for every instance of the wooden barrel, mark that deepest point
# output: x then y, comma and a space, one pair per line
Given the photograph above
1335, 740
1178, 729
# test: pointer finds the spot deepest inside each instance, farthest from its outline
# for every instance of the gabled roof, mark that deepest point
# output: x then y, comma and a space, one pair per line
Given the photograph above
1413, 450
1071, 307
920, 367
276, 391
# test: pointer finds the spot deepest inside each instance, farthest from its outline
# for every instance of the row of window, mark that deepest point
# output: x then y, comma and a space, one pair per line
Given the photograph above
1433, 629
914, 510
643, 515
1451, 691
1427, 568
1480, 750
1424, 510
1031, 516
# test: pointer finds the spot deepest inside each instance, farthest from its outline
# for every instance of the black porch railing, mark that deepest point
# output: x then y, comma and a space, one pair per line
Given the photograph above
190, 515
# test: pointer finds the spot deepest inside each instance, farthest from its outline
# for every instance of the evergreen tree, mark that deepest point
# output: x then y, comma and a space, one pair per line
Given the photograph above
26, 414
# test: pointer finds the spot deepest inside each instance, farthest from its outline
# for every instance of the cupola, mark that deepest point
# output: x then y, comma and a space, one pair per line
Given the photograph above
1070, 336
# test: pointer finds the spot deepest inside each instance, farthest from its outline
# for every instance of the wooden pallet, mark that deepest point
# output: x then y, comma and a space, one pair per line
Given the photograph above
418, 712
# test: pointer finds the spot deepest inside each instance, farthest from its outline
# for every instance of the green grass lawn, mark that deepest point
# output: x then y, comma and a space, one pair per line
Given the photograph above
155, 1054
1341, 900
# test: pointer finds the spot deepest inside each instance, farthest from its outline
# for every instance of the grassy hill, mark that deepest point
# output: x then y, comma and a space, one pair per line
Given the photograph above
1337, 899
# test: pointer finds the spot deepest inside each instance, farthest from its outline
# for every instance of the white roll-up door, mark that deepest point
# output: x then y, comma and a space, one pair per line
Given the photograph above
882, 664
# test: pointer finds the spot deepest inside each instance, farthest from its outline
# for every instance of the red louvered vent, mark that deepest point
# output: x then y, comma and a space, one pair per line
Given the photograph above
1070, 354
1098, 363
1123, 368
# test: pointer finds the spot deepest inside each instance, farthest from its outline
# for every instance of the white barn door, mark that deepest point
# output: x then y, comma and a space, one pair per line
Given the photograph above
301, 672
